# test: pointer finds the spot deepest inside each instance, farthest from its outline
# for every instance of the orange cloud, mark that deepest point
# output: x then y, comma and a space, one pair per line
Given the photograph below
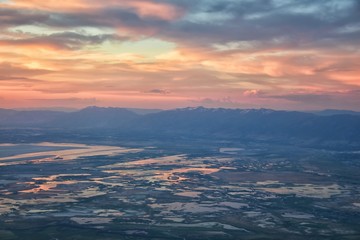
143, 8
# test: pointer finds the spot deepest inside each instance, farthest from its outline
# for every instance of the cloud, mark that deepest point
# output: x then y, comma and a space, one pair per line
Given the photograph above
283, 52
14, 17
11, 71
324, 100
303, 24
144, 8
159, 91
66, 101
63, 40
250, 93
307, 98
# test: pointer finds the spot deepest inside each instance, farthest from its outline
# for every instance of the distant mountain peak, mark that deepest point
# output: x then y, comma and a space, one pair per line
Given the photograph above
97, 108
224, 110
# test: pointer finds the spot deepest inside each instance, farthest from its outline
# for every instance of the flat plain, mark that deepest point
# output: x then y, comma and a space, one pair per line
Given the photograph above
154, 191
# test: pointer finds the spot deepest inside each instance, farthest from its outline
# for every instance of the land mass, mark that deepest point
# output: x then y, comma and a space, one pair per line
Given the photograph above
337, 130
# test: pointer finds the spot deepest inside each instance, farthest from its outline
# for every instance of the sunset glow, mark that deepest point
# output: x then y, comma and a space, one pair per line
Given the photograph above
280, 54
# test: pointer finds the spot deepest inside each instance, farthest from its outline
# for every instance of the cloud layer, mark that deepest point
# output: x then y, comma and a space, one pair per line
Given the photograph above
159, 53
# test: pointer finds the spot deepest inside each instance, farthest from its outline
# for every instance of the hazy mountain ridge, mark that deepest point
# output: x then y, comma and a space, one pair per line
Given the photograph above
94, 117
197, 122
330, 112
14, 118
252, 122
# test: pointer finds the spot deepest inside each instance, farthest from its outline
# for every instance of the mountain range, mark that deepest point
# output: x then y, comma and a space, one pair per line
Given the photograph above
196, 122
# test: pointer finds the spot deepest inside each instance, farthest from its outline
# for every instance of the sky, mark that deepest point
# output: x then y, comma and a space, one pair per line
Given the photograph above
279, 54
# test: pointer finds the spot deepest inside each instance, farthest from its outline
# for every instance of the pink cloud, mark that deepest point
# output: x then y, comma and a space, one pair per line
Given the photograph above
250, 93
144, 8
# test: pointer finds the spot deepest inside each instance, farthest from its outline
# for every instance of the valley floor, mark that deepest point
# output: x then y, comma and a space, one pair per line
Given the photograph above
194, 191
